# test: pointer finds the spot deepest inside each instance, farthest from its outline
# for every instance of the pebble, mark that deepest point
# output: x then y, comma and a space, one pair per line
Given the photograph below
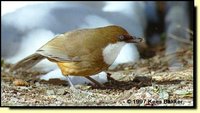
127, 68
37, 84
14, 99
163, 95
148, 95
53, 104
183, 83
23, 88
60, 91
50, 92
59, 98
181, 92
152, 72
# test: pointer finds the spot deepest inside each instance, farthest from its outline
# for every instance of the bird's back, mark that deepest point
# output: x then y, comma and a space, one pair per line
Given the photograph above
70, 46
79, 52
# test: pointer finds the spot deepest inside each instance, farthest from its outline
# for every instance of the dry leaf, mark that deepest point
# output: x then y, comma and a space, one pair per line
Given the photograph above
20, 82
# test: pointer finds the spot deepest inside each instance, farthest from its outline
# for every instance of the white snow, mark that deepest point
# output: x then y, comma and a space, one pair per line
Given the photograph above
101, 77
128, 54
34, 35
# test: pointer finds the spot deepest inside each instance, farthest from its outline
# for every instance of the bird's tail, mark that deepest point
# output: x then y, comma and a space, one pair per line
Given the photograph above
28, 62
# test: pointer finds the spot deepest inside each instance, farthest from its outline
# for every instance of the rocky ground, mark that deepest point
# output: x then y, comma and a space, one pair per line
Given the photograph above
149, 82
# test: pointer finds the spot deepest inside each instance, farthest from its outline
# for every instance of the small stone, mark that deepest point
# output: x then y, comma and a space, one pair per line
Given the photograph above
37, 84
14, 99
23, 88
60, 92
83, 87
181, 92
127, 68
148, 95
183, 83
152, 72
53, 104
50, 92
163, 95
59, 98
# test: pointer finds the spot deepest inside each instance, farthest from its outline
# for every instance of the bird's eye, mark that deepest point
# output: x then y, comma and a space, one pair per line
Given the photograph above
121, 37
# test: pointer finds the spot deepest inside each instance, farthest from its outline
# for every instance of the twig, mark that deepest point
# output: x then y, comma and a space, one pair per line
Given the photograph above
180, 39
174, 53
186, 29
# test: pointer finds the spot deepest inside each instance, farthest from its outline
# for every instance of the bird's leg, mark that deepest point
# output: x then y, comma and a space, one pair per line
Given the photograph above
75, 90
94, 81
109, 76
70, 83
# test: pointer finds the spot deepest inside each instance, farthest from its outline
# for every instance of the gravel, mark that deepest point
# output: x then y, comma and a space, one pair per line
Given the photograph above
146, 83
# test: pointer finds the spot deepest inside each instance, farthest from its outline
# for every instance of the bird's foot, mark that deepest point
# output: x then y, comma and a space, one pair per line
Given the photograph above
95, 82
77, 91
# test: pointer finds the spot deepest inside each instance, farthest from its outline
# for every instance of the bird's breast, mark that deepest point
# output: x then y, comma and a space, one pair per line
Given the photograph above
111, 51
83, 68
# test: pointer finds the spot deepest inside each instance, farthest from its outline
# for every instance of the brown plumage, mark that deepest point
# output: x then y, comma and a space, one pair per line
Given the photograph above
78, 52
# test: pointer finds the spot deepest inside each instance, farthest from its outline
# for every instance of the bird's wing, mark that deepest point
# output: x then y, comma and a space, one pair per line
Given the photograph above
55, 50
76, 45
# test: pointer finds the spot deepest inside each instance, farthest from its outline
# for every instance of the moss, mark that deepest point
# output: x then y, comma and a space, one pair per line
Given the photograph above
2, 62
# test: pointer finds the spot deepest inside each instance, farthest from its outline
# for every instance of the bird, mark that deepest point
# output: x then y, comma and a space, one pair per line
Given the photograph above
81, 52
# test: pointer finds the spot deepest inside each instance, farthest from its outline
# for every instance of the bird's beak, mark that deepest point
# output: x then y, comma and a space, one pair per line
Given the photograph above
133, 39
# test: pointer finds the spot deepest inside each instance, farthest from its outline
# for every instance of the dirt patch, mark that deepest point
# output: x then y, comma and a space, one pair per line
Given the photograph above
149, 82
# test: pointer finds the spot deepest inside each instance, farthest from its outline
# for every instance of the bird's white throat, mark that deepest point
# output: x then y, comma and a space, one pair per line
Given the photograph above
111, 51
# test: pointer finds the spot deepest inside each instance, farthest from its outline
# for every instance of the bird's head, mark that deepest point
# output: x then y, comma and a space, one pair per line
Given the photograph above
119, 34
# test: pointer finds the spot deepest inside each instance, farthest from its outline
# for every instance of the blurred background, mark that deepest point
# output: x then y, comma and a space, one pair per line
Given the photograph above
166, 26
161, 68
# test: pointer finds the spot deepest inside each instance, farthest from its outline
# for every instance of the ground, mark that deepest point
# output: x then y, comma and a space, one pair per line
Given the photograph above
149, 82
